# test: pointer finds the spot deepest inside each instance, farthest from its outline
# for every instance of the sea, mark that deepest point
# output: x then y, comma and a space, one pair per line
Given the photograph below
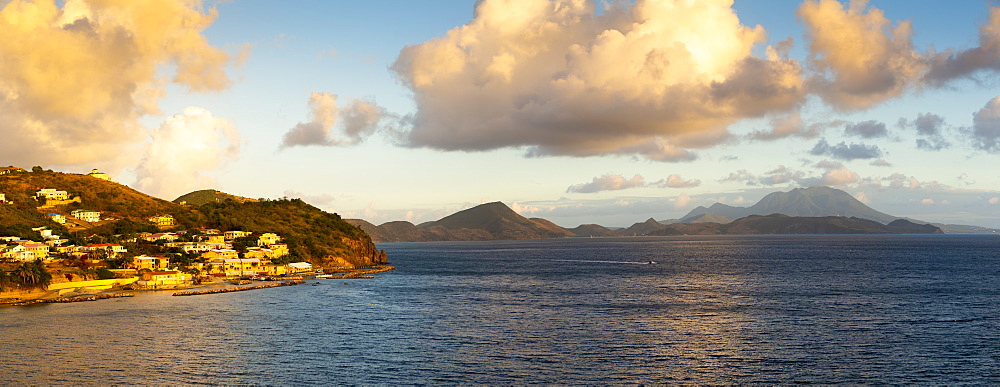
855, 309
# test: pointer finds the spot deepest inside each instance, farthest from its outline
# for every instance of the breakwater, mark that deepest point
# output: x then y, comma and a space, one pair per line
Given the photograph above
62, 300
238, 289
95, 297
364, 273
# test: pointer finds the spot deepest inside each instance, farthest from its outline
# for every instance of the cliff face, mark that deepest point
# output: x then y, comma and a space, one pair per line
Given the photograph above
362, 254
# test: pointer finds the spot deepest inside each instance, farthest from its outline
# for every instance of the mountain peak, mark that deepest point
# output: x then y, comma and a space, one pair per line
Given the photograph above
815, 201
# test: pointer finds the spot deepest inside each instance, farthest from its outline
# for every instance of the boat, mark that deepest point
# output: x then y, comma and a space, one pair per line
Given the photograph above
650, 263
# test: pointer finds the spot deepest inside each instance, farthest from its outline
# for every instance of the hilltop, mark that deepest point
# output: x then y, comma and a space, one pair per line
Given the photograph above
313, 235
807, 202
205, 196
490, 221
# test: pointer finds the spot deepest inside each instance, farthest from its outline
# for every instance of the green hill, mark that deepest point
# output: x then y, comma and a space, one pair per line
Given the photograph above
312, 234
206, 196
500, 221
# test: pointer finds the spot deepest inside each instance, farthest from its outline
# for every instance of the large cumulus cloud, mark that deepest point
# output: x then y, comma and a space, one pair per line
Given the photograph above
184, 145
860, 57
75, 76
650, 78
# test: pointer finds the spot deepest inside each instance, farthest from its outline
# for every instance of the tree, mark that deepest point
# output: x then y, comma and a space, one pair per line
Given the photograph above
37, 169
33, 275
104, 273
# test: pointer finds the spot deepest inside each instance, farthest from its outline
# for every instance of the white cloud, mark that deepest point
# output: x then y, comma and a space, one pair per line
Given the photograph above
321, 201
676, 181
77, 76
839, 177
682, 201
185, 146
927, 202
608, 182
330, 125
994, 200
647, 78
860, 60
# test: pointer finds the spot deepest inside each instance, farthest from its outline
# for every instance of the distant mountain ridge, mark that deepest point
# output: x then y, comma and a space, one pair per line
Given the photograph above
496, 221
807, 202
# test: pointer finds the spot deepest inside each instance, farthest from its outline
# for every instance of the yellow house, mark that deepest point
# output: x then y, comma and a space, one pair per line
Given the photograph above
52, 194
234, 267
267, 239
150, 263
164, 279
216, 239
257, 252
163, 220
273, 269
279, 250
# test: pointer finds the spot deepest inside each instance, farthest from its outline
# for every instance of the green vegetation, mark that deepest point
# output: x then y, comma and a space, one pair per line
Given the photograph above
205, 196
310, 233
29, 275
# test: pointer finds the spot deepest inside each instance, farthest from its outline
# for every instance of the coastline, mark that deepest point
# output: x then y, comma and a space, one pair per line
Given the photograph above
227, 286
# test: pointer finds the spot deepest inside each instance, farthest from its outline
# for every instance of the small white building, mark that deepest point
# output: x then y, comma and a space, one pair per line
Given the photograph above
300, 266
87, 215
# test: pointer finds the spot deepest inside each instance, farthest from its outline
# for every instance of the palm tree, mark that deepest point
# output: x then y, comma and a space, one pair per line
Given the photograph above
27, 276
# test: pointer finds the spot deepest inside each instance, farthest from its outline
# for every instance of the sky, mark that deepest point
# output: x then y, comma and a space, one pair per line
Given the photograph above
607, 112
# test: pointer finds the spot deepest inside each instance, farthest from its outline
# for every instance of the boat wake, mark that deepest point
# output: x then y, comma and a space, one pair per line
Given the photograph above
618, 262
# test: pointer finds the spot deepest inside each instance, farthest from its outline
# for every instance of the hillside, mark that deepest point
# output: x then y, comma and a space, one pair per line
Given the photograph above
205, 196
113, 200
805, 202
589, 230
312, 234
490, 221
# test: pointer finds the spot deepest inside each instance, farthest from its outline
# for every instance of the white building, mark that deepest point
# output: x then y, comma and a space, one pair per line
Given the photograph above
87, 215
52, 194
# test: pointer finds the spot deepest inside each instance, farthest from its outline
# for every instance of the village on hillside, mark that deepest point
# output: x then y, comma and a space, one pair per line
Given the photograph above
143, 260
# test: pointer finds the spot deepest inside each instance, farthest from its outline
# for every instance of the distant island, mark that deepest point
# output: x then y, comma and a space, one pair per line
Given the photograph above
815, 210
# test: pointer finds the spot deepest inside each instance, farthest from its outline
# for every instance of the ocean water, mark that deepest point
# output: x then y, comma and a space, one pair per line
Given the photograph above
711, 310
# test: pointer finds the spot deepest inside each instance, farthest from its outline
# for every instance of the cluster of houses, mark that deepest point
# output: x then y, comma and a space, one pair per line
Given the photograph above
215, 252
216, 255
